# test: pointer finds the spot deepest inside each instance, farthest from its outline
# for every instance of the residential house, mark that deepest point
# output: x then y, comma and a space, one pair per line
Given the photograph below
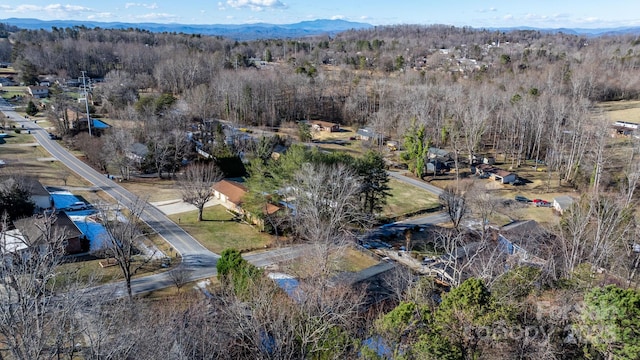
324, 126
137, 152
436, 167
5, 81
624, 128
562, 203
38, 92
524, 241
230, 194
439, 154
38, 193
368, 134
33, 235
495, 173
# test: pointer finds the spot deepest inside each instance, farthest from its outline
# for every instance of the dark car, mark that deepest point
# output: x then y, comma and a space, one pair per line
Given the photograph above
521, 198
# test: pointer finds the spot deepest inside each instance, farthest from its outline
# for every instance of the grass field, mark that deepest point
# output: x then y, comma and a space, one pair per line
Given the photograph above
219, 231
341, 260
90, 273
407, 199
10, 91
153, 189
622, 110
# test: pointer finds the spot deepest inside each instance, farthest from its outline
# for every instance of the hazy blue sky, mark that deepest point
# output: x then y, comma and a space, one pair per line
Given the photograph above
476, 13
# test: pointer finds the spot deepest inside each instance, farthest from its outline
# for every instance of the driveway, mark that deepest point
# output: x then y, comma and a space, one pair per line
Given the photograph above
177, 206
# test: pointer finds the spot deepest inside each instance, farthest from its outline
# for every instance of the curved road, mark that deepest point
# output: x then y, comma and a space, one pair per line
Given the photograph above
200, 262
192, 252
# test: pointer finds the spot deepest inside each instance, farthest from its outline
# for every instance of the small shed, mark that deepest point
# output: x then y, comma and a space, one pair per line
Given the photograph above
562, 203
504, 176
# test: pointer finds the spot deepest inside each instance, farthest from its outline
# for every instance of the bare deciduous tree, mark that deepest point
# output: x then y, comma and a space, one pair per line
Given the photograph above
326, 207
455, 204
196, 184
179, 276
38, 299
123, 231
117, 145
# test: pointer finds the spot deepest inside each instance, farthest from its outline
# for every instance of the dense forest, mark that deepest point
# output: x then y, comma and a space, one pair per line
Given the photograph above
520, 95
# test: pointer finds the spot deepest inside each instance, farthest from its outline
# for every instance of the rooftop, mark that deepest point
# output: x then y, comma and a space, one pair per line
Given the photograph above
233, 190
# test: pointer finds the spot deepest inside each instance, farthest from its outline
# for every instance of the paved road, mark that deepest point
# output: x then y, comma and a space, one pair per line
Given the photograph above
417, 183
192, 252
199, 262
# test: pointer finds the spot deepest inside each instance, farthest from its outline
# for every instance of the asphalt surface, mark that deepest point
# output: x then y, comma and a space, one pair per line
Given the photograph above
199, 262
417, 183
192, 252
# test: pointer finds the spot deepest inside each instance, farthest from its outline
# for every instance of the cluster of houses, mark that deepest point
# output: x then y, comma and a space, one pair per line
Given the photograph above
26, 233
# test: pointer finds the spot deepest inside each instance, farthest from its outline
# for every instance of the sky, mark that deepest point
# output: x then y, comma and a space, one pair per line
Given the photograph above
474, 13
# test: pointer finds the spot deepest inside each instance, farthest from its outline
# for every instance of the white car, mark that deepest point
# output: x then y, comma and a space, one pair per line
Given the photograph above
77, 206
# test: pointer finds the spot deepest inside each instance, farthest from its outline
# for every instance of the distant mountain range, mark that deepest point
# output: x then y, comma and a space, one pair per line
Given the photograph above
581, 31
272, 31
237, 32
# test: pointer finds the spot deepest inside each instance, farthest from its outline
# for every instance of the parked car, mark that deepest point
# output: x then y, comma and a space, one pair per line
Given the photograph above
521, 198
78, 205
542, 203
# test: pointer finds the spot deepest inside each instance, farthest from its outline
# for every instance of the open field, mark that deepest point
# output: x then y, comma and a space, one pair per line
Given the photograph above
153, 189
406, 199
346, 259
220, 231
21, 156
9, 92
340, 141
622, 110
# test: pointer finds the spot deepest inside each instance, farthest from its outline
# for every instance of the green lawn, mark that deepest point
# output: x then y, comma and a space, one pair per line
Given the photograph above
406, 199
9, 91
219, 231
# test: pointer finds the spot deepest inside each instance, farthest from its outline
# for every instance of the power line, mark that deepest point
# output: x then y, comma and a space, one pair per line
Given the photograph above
86, 101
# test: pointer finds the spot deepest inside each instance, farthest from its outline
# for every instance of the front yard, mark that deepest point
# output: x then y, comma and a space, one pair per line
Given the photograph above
220, 231
407, 199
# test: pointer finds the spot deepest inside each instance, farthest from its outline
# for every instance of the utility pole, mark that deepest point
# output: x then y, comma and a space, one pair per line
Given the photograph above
86, 101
